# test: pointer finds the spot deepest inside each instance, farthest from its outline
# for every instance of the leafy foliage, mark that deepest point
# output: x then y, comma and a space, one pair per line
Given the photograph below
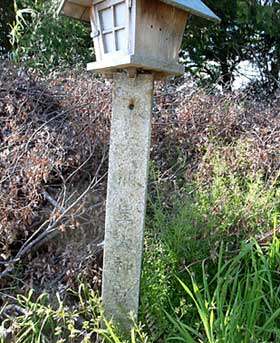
249, 31
7, 17
45, 41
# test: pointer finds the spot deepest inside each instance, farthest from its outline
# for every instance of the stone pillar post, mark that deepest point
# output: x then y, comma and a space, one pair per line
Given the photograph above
126, 195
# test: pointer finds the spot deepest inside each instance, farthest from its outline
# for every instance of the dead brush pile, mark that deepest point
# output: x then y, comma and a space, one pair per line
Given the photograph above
53, 155
190, 122
53, 158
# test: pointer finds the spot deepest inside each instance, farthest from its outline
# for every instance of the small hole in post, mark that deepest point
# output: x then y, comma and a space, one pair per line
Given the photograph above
152, 26
160, 29
131, 106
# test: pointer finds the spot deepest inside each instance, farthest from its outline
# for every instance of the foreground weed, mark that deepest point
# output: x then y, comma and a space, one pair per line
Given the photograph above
240, 304
43, 322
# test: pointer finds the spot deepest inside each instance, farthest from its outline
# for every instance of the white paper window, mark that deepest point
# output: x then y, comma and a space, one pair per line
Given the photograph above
113, 20
120, 14
106, 19
120, 39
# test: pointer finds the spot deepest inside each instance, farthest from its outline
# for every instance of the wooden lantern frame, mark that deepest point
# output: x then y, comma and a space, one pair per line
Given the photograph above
136, 34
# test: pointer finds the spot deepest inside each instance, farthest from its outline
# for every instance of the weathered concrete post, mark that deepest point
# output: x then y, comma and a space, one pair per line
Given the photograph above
126, 194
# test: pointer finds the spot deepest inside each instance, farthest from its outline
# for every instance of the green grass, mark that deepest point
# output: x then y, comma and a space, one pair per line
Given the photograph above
240, 304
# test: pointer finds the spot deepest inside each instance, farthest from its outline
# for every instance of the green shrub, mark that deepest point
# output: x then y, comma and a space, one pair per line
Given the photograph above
45, 41
233, 198
228, 206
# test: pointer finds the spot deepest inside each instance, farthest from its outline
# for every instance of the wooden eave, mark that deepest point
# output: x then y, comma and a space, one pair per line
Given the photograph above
76, 9
80, 9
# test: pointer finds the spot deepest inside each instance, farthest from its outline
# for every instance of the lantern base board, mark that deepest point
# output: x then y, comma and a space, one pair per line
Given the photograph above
138, 62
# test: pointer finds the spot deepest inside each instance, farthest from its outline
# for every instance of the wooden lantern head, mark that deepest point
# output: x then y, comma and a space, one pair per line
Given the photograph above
141, 34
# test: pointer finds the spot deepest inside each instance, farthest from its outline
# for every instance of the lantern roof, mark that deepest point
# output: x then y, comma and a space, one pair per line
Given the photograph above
196, 7
80, 9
